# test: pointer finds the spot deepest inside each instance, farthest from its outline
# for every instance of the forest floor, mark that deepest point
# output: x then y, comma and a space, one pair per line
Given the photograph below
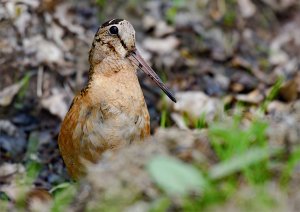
231, 142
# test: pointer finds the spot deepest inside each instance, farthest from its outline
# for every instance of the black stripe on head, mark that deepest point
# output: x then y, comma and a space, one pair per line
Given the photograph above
112, 22
122, 43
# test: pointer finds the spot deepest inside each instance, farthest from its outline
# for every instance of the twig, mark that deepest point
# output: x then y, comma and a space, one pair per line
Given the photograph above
39, 89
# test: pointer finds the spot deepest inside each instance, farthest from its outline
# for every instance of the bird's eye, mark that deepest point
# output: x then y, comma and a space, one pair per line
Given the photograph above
113, 30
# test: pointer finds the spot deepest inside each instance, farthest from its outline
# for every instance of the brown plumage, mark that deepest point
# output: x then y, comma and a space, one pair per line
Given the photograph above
110, 112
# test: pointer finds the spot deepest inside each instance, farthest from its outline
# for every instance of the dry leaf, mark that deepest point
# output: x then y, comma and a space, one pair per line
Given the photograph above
280, 5
62, 15
277, 107
288, 92
161, 46
56, 104
253, 97
196, 104
8, 93
247, 8
149, 22
162, 29
221, 44
179, 120
7, 169
290, 32
44, 50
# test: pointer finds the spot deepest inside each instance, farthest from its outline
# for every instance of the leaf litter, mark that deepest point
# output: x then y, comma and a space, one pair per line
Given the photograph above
214, 54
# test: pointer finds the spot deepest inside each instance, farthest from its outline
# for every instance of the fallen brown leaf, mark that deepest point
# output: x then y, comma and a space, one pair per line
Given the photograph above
8, 93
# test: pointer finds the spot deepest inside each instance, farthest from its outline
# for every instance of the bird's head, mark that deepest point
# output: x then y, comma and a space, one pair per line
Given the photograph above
116, 39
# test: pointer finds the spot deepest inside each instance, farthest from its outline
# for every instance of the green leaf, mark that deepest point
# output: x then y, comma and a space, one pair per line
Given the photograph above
63, 197
290, 165
32, 146
175, 177
239, 162
163, 119
160, 205
60, 187
33, 168
272, 95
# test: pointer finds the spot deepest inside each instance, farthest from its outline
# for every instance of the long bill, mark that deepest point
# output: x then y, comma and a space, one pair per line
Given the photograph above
136, 58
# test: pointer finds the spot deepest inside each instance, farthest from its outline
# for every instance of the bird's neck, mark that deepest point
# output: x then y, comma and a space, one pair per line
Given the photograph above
109, 67
113, 80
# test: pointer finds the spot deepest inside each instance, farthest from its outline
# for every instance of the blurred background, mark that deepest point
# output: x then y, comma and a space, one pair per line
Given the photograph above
230, 143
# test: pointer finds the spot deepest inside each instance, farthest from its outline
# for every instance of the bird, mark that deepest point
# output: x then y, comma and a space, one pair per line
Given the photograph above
110, 112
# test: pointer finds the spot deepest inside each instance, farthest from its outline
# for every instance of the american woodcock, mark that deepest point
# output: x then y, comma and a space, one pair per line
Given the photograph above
110, 112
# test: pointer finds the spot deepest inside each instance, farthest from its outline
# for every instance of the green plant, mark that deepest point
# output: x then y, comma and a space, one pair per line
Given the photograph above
272, 94
4, 201
22, 92
176, 177
201, 122
239, 147
164, 113
292, 162
63, 195
101, 3
173, 10
161, 205
164, 118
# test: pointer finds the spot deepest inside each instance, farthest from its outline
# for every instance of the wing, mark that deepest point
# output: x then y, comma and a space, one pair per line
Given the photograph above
69, 147
76, 137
